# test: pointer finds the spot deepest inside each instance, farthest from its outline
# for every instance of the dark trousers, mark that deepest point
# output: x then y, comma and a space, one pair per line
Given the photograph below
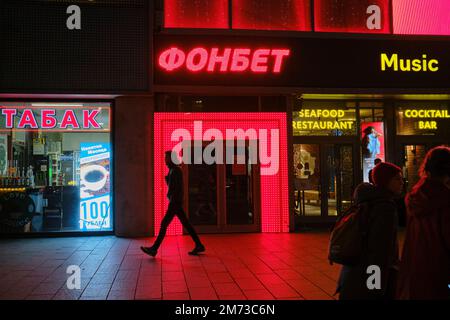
175, 209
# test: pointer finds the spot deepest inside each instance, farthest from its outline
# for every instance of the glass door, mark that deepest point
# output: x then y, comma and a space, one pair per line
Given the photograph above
307, 180
223, 197
339, 161
413, 157
241, 183
323, 178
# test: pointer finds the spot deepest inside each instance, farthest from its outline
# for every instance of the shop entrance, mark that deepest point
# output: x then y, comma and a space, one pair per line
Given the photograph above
324, 179
222, 197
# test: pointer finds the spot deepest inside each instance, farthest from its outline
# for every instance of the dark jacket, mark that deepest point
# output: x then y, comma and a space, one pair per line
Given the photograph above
425, 267
381, 249
174, 182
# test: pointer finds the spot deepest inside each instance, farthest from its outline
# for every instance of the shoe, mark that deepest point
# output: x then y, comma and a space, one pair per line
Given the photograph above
149, 250
197, 250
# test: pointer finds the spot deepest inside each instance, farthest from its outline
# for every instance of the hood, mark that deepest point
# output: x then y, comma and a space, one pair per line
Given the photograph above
427, 197
368, 192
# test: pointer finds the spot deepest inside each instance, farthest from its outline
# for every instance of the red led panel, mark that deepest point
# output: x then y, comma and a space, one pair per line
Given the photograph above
358, 16
196, 14
274, 188
272, 15
430, 17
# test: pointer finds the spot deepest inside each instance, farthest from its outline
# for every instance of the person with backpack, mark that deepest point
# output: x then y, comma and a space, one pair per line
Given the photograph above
374, 238
425, 265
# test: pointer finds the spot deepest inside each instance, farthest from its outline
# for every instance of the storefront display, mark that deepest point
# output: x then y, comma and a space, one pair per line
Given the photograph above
48, 164
372, 146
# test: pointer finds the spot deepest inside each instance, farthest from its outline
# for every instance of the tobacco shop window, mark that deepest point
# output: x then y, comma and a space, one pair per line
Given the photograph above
423, 118
372, 135
55, 167
320, 118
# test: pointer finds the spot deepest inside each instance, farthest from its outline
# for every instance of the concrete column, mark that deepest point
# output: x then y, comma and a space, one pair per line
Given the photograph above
133, 159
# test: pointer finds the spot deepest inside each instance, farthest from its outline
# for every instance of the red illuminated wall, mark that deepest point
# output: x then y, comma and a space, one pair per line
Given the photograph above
196, 14
274, 188
272, 15
348, 15
430, 17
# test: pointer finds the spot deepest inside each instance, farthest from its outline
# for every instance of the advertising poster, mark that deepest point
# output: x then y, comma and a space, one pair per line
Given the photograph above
372, 145
3, 153
95, 186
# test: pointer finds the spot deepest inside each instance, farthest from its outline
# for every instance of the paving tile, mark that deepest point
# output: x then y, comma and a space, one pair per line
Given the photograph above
258, 294
174, 287
121, 295
220, 277
227, 289
206, 293
176, 296
235, 266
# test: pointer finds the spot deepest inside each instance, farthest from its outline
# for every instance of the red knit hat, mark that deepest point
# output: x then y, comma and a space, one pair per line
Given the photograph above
383, 173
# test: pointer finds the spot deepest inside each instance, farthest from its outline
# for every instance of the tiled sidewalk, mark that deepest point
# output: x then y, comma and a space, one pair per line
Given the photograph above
235, 266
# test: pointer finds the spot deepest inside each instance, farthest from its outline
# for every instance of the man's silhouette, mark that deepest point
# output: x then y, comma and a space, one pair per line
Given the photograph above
174, 182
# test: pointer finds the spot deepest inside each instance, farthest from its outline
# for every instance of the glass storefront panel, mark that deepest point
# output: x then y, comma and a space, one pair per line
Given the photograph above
414, 156
55, 167
307, 179
324, 119
372, 138
339, 160
428, 118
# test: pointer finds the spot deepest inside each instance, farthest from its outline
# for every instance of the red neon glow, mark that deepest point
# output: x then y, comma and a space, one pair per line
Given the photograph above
196, 14
259, 61
430, 17
272, 15
240, 61
27, 119
274, 188
263, 60
360, 16
221, 60
197, 59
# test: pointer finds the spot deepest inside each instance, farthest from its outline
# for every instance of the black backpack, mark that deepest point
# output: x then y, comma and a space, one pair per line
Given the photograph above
349, 235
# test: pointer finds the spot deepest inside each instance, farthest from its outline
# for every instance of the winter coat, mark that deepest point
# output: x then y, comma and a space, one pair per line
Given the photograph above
425, 265
381, 249
174, 182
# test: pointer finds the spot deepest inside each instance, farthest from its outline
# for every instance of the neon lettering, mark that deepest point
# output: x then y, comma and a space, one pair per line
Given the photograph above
69, 119
407, 65
222, 60
259, 61
27, 119
196, 64
228, 59
9, 113
48, 119
172, 59
89, 119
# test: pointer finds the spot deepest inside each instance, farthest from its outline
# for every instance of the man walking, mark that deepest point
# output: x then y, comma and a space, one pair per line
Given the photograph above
174, 182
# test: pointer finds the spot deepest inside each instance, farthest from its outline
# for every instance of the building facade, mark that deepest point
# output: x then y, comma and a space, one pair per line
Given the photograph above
276, 109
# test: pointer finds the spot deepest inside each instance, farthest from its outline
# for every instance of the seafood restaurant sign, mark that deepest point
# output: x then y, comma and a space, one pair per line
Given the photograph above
301, 62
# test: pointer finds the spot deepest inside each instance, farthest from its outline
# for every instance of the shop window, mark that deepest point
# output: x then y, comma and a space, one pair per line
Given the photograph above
55, 167
196, 14
325, 119
362, 16
409, 17
372, 138
423, 118
272, 15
